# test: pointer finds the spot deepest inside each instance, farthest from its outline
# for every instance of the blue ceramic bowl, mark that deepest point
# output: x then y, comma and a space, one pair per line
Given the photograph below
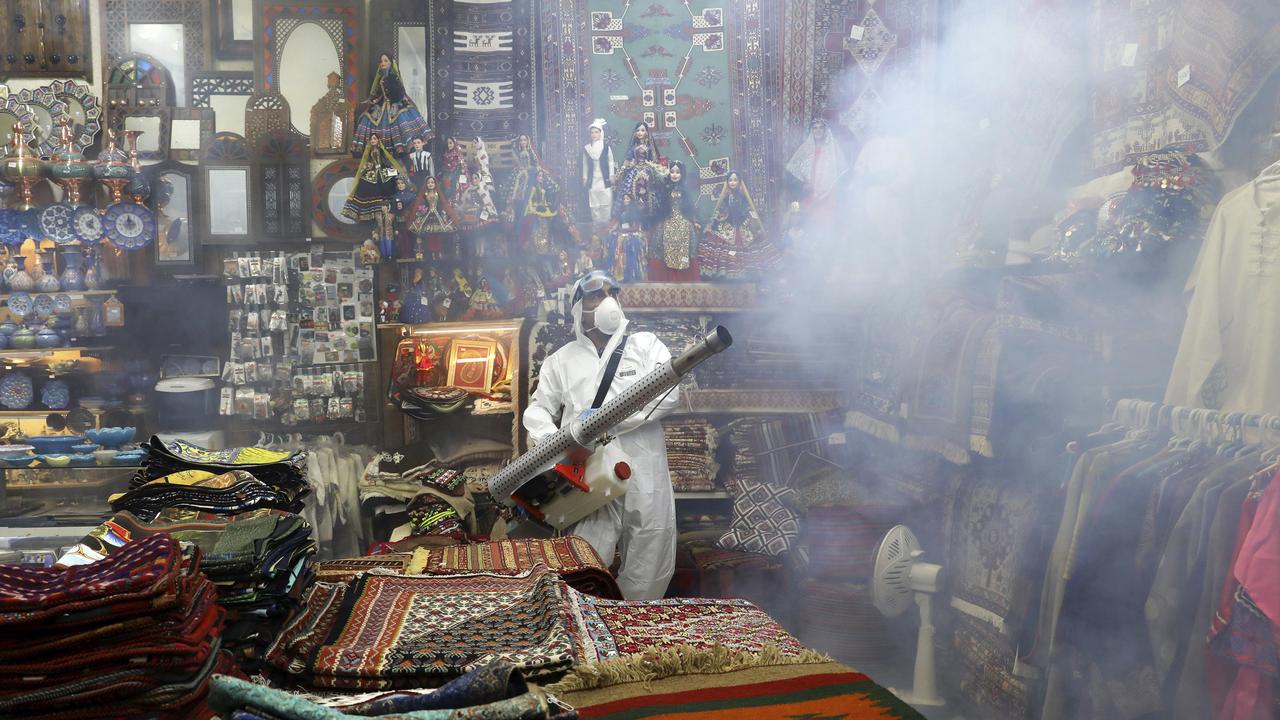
17, 460
128, 458
54, 444
112, 437
84, 448
82, 460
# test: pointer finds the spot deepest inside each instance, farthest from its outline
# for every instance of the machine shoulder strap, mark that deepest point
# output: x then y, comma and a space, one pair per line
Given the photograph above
609, 371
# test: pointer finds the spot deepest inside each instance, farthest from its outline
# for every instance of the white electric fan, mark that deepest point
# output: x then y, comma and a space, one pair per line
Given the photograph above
899, 575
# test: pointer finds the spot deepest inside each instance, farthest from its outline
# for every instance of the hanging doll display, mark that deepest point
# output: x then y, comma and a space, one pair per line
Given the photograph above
638, 165
515, 190
433, 222
624, 247
734, 245
673, 241
543, 225
388, 113
453, 164
381, 187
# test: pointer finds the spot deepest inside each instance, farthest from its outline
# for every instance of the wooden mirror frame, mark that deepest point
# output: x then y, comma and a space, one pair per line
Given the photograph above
205, 117
192, 15
204, 86
282, 169
225, 45
325, 223
195, 201
227, 151
349, 40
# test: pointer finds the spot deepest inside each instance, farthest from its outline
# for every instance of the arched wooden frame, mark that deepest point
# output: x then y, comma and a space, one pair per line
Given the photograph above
226, 160
331, 121
266, 113
169, 220
282, 175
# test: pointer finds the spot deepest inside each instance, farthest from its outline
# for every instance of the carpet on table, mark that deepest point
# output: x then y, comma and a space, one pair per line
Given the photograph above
571, 557
812, 690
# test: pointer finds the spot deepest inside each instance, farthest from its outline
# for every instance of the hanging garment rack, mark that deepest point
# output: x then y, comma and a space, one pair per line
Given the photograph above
1198, 423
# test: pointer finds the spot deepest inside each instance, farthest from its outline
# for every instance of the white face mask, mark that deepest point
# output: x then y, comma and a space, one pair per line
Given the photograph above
607, 317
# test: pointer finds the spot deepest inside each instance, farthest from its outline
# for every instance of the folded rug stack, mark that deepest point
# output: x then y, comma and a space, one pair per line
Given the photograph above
259, 562
691, 454
279, 470
494, 692
381, 631
745, 466
137, 634
228, 493
571, 557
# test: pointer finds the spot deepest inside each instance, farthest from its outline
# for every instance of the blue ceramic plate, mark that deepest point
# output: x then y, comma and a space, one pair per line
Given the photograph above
56, 395
56, 221
87, 225
44, 306
11, 227
129, 226
21, 304
62, 303
16, 392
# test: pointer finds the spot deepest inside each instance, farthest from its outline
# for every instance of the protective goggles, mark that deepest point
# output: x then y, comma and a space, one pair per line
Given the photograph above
594, 281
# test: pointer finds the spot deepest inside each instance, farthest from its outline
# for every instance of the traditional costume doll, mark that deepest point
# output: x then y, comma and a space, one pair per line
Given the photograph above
388, 112
638, 165
454, 163
598, 169
734, 245
673, 241
816, 168
642, 136
419, 162
484, 304
474, 202
418, 296
434, 221
515, 191
381, 185
625, 253
543, 226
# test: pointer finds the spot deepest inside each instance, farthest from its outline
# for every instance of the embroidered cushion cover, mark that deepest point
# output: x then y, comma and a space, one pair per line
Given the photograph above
763, 520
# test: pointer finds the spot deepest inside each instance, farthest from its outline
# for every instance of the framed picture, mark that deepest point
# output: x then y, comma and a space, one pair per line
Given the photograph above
175, 32
190, 132
471, 365
226, 94
233, 29
175, 202
63, 50
227, 203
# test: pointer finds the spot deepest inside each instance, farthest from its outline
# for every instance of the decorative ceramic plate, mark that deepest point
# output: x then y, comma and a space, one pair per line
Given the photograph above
13, 111
82, 108
56, 221
44, 306
16, 391
46, 109
21, 304
55, 395
87, 225
129, 226
12, 226
62, 303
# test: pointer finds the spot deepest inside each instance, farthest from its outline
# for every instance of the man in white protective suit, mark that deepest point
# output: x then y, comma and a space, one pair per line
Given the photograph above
642, 523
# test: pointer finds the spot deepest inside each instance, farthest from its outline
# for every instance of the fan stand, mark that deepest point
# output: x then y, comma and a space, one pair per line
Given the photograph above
924, 691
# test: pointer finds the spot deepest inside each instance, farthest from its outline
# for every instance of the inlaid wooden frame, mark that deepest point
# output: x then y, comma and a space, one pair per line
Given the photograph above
227, 15
226, 181
67, 39
182, 122
282, 186
193, 15
277, 32
217, 90
178, 215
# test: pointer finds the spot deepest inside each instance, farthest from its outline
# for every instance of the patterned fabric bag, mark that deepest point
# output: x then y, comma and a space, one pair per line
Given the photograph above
764, 520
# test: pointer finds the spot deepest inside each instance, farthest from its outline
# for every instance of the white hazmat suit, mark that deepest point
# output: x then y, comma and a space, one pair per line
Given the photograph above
642, 523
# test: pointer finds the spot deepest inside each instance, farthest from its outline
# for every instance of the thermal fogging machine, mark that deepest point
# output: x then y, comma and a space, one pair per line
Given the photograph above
555, 485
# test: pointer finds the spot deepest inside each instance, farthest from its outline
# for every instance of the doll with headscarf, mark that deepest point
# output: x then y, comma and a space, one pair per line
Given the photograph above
515, 191
638, 165
434, 220
381, 186
734, 245
474, 199
818, 165
625, 253
543, 226
674, 238
388, 112
642, 136
453, 164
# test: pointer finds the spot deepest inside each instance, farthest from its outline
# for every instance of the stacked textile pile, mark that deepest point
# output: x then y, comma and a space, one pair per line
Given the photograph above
258, 560
382, 631
228, 493
745, 467
494, 692
282, 471
437, 498
136, 634
691, 454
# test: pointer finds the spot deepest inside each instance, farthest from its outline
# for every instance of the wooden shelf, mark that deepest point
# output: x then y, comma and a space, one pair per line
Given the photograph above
704, 495
758, 402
